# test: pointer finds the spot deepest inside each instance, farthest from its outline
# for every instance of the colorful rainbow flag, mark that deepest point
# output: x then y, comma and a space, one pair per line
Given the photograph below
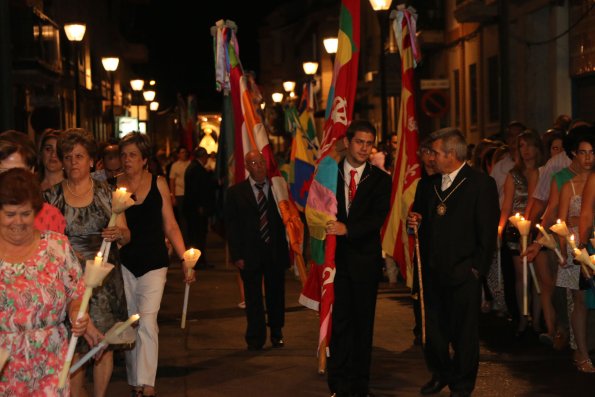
322, 203
304, 148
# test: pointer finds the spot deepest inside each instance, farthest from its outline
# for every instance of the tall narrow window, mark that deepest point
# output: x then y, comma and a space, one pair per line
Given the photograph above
493, 90
473, 93
457, 96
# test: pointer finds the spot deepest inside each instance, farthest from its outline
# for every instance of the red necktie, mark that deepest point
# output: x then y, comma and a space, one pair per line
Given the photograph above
352, 186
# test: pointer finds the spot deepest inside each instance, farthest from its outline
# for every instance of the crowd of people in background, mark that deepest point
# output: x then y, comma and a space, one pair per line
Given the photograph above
55, 205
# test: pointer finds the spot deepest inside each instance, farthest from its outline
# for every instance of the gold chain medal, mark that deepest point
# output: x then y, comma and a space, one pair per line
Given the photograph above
441, 208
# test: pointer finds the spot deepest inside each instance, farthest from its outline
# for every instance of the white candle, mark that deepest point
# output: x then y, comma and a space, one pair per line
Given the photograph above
191, 256
571, 242
560, 228
98, 259
514, 219
126, 324
524, 226
541, 229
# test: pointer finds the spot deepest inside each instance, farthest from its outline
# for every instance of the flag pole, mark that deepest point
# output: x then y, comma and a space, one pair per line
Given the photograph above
301, 266
322, 358
421, 290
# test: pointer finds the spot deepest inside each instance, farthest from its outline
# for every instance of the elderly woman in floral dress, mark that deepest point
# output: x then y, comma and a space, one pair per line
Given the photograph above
41, 284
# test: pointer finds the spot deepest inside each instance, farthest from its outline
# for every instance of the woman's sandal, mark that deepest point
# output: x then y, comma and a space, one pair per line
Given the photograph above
136, 393
584, 366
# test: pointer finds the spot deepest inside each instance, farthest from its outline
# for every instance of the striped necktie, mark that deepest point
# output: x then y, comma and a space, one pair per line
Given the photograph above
261, 200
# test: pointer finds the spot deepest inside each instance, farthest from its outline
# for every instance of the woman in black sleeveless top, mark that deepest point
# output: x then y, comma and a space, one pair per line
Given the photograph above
145, 258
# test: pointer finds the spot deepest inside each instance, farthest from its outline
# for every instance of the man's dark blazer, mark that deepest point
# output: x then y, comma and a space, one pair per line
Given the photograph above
465, 237
242, 223
360, 252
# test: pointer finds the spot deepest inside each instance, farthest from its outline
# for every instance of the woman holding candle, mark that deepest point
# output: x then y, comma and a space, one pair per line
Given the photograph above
41, 284
519, 185
86, 205
145, 259
50, 168
569, 274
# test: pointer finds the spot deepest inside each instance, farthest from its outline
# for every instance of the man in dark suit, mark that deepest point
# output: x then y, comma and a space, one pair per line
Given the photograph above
199, 202
363, 197
258, 247
457, 213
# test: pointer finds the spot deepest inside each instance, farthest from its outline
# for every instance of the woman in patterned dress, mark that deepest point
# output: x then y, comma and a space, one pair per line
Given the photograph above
41, 282
86, 205
518, 186
569, 273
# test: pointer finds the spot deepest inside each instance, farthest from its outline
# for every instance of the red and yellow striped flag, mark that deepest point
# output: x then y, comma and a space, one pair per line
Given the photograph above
407, 172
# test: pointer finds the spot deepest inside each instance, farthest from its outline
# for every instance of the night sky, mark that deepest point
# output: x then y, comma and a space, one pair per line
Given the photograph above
178, 37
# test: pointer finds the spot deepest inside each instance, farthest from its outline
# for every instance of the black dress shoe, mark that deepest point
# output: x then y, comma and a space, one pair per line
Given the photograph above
254, 348
460, 394
433, 386
277, 342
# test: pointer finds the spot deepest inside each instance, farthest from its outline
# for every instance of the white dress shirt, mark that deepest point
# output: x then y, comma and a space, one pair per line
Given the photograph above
347, 178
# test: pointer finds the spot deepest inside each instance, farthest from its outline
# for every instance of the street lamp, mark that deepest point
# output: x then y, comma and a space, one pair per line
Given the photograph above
75, 32
137, 86
310, 68
277, 97
288, 86
110, 64
331, 44
149, 95
381, 7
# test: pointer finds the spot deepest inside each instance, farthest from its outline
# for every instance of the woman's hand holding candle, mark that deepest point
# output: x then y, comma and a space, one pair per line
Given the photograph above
111, 337
550, 243
79, 322
112, 233
95, 272
121, 200
191, 256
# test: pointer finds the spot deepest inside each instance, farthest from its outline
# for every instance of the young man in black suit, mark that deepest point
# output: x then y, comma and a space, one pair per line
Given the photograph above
363, 197
258, 247
457, 214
